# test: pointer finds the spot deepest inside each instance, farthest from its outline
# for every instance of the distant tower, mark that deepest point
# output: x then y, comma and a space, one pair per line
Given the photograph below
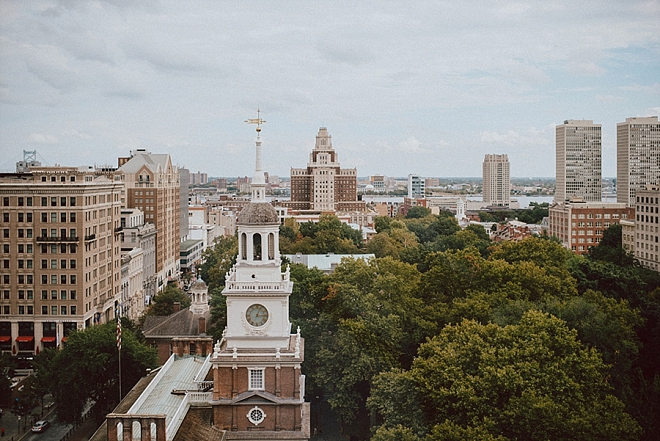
637, 157
29, 160
460, 210
496, 180
578, 144
259, 390
416, 186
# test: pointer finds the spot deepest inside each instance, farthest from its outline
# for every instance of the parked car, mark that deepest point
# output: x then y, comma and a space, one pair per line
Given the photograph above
40, 426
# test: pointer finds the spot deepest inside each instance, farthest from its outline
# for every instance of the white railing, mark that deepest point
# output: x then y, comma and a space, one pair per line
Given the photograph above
254, 286
197, 398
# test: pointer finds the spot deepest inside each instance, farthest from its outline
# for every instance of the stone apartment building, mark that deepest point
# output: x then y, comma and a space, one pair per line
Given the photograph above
61, 254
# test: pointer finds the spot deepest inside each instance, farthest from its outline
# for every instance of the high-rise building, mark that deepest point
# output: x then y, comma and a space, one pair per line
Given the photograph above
60, 252
416, 186
152, 185
324, 185
496, 180
637, 157
578, 144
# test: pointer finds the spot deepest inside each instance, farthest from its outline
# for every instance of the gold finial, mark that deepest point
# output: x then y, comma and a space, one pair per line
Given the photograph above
258, 121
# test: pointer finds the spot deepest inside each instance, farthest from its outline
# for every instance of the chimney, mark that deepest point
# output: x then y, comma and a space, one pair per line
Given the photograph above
202, 325
177, 306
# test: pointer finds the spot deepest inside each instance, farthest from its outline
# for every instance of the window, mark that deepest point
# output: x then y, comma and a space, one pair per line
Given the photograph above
63, 217
72, 217
53, 202
5, 201
44, 217
63, 263
5, 233
63, 310
21, 309
53, 294
5, 294
29, 201
72, 278
30, 294
5, 248
72, 309
63, 279
5, 279
30, 279
72, 263
53, 279
21, 294
28, 248
72, 294
63, 201
21, 217
44, 310
72, 199
29, 216
256, 379
28, 263
44, 294
53, 310
63, 294
44, 202
53, 217
20, 201
30, 309
21, 279
44, 279
44, 264
5, 263
53, 264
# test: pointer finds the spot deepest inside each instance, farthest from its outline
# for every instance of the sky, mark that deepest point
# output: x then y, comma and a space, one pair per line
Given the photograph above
423, 87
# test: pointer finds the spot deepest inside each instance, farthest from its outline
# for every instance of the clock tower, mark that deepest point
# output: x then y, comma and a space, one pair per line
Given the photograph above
258, 391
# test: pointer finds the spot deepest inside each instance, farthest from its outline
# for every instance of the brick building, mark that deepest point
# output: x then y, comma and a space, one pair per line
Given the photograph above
152, 186
580, 225
324, 185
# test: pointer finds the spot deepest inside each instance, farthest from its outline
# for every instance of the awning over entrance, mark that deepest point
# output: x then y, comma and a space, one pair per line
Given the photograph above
48, 339
5, 338
24, 338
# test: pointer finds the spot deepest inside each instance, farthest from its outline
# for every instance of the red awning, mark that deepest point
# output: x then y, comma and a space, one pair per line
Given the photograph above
24, 338
64, 339
48, 339
5, 338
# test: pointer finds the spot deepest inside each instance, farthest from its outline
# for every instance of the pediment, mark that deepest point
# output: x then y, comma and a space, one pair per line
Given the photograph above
256, 397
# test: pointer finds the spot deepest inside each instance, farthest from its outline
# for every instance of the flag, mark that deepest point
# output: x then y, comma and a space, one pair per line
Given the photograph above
119, 333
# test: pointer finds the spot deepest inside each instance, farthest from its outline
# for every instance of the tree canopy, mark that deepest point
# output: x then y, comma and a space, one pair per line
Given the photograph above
87, 368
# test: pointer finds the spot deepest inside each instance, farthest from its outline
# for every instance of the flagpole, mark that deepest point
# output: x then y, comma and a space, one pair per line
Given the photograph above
119, 349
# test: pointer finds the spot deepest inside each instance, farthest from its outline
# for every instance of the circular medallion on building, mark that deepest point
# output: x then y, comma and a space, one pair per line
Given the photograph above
256, 315
256, 415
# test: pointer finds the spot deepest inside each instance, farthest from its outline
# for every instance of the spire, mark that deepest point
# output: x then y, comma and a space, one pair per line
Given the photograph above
258, 180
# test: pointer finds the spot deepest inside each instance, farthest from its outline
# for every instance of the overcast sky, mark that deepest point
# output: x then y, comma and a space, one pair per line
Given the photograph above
403, 87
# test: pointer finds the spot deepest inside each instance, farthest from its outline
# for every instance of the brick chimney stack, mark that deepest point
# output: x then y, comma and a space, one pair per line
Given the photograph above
177, 306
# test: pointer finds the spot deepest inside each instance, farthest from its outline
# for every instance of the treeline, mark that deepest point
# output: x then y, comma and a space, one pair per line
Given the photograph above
447, 336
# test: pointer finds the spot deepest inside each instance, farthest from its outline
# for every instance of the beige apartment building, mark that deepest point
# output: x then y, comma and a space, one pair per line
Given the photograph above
152, 186
580, 225
496, 180
60, 252
637, 153
647, 209
578, 161
324, 185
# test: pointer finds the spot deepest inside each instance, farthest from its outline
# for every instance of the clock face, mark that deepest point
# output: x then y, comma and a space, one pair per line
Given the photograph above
256, 315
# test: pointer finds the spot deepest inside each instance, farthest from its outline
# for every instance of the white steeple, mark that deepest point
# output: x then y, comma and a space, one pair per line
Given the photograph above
258, 180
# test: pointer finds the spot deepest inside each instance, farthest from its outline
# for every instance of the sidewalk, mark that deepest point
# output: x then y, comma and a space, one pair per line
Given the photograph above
10, 421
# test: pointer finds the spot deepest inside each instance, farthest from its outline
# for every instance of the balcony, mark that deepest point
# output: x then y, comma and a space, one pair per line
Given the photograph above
119, 229
90, 237
58, 239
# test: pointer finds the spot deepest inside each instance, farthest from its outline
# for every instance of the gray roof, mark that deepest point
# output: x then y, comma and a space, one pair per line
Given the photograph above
258, 213
151, 160
180, 324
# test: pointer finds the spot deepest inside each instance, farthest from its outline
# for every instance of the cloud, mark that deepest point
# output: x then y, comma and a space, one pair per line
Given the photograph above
512, 138
39, 138
609, 99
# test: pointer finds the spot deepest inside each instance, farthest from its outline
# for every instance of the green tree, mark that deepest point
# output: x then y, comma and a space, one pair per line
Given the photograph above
163, 302
417, 212
532, 380
218, 260
610, 249
87, 368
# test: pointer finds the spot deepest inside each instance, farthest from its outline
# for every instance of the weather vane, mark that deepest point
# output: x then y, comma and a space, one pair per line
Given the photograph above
258, 121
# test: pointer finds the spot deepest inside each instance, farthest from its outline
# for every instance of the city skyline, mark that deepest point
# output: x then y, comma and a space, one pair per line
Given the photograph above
426, 88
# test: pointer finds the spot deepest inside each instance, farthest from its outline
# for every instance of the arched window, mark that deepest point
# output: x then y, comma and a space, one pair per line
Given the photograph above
271, 246
120, 431
137, 430
152, 432
256, 246
244, 246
